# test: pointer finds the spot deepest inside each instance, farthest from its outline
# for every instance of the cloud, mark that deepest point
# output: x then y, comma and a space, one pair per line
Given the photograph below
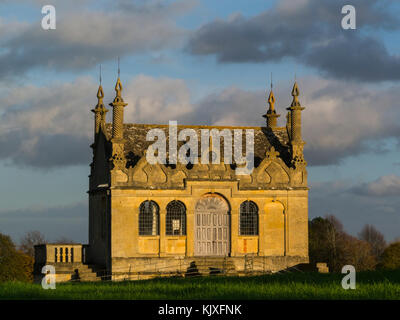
382, 187
69, 221
52, 126
84, 38
230, 106
49, 127
310, 32
344, 120
338, 198
46, 2
173, 8
340, 119
156, 100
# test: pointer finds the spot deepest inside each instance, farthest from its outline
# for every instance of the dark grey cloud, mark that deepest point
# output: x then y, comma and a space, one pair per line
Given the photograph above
85, 37
174, 8
386, 186
70, 221
355, 57
47, 127
56, 3
353, 210
310, 32
48, 150
51, 127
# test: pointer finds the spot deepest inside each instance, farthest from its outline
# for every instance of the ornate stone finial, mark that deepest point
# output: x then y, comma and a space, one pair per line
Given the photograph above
271, 101
271, 115
100, 110
118, 90
100, 95
271, 154
103, 110
295, 95
118, 111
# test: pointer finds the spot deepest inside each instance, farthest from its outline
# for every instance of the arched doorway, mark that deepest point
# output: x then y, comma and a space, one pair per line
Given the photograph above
212, 226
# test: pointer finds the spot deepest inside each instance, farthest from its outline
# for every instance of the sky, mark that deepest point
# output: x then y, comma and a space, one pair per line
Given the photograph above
199, 62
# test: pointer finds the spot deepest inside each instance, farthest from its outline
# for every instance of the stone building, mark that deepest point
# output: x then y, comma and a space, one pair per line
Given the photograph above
148, 219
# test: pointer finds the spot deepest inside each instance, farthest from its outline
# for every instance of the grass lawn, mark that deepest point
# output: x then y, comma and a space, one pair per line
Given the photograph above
369, 285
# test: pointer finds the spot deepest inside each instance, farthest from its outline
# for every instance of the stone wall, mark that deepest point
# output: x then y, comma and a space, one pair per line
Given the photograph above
283, 222
145, 268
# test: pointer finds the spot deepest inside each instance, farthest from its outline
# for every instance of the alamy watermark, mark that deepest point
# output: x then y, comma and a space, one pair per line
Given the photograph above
189, 151
349, 20
49, 20
349, 281
49, 280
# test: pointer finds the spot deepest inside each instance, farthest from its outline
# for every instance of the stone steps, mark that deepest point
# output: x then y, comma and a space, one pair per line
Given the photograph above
78, 271
210, 266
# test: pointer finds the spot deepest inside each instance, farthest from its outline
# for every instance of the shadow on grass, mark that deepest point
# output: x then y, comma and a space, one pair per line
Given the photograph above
307, 285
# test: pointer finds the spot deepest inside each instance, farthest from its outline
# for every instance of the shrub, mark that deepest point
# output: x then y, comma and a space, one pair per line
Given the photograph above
14, 265
391, 257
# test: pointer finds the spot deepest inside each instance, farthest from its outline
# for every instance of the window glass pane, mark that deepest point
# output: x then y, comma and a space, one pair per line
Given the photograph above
248, 218
148, 218
176, 218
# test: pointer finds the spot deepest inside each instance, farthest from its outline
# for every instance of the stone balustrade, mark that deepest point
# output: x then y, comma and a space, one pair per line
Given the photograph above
58, 253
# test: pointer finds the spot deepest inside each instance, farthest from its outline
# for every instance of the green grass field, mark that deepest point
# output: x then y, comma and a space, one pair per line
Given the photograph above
369, 285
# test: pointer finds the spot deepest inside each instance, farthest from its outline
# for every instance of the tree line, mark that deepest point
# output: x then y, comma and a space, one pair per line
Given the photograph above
16, 261
328, 242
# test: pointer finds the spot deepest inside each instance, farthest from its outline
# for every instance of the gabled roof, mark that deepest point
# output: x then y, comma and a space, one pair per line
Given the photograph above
264, 138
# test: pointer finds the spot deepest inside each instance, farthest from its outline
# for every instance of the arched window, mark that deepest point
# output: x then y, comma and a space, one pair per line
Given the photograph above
248, 219
149, 218
176, 219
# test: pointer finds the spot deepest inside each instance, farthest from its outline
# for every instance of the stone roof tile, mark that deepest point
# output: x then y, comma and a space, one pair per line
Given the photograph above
264, 138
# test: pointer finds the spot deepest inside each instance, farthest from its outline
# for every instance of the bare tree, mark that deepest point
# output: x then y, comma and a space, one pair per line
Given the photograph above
29, 240
329, 242
356, 252
334, 233
376, 239
335, 222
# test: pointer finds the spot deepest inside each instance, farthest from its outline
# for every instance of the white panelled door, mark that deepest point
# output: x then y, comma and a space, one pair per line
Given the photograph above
212, 226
